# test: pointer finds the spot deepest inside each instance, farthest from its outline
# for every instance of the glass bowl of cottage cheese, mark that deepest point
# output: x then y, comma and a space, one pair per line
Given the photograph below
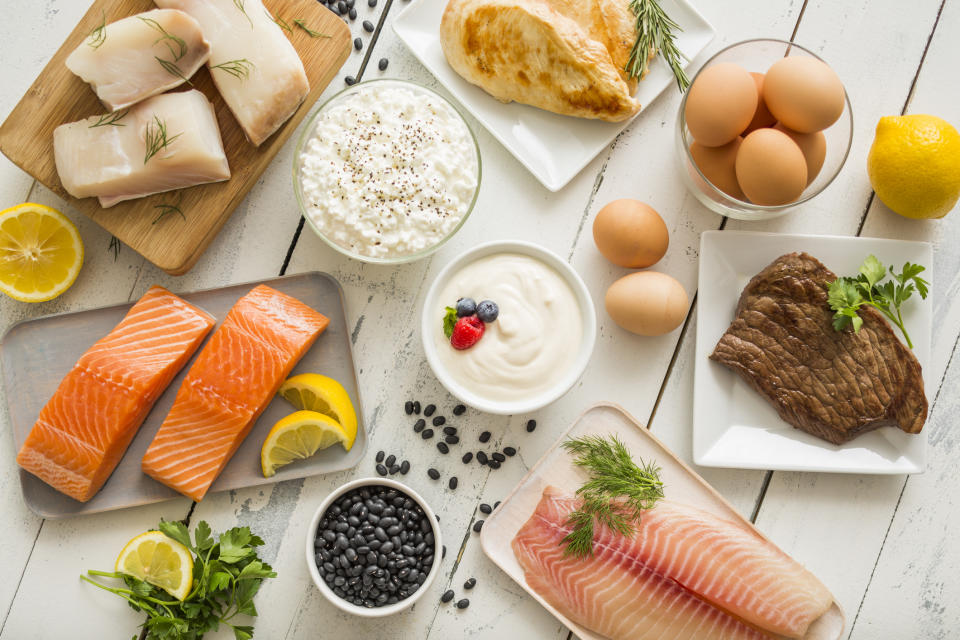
386, 171
535, 348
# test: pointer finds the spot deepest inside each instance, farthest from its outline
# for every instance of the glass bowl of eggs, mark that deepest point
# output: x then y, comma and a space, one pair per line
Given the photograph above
765, 126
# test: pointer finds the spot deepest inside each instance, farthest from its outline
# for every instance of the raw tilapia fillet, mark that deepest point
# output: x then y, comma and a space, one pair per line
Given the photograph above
85, 428
140, 56
684, 574
234, 378
268, 81
111, 161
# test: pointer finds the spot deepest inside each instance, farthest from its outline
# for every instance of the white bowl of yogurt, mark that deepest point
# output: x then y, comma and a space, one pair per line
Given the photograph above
386, 171
540, 342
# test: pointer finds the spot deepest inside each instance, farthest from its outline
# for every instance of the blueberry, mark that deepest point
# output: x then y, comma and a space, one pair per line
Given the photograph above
488, 310
466, 307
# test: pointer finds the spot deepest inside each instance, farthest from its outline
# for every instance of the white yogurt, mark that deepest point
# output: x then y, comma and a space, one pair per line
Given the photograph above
389, 171
532, 344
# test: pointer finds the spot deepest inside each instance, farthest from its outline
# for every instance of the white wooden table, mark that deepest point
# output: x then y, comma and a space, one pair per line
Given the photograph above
884, 545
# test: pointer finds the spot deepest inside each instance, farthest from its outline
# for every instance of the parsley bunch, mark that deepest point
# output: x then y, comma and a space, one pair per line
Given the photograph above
226, 576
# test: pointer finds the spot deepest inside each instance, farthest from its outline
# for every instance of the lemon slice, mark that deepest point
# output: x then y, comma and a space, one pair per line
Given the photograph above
40, 252
160, 561
314, 392
298, 436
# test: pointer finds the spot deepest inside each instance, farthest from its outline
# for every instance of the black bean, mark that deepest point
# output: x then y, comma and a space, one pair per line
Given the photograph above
481, 457
342, 7
371, 3
408, 407
419, 425
352, 14
439, 420
452, 439
470, 583
382, 470
453, 482
429, 410
394, 469
485, 437
357, 44
496, 504
404, 467
494, 464
427, 434
387, 547
467, 457
350, 80
443, 553
442, 446
450, 431
351, 4
382, 65
477, 526
499, 457
381, 534
485, 508
463, 604
416, 407
447, 596
391, 459
510, 451
434, 474
459, 410
379, 456
531, 425
368, 26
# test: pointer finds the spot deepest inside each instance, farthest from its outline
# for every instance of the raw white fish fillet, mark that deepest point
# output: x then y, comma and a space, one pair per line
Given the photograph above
111, 161
268, 82
140, 56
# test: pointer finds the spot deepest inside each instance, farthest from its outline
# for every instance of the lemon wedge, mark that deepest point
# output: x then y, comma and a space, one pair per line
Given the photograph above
40, 252
314, 392
160, 561
299, 436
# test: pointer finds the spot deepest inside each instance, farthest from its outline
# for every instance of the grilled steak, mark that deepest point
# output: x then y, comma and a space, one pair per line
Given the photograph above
832, 384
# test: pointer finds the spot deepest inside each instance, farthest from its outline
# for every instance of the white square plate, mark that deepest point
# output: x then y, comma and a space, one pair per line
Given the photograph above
733, 425
553, 147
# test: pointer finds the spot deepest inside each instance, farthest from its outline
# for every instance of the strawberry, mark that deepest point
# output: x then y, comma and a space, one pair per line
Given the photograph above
466, 332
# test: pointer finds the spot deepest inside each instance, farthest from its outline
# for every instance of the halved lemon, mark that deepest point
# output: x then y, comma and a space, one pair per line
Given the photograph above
160, 561
298, 436
40, 252
314, 392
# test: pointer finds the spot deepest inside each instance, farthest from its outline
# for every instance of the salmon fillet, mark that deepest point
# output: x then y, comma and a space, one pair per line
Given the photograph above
233, 380
85, 428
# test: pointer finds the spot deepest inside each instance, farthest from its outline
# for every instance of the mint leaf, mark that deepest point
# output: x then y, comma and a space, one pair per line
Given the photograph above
449, 321
873, 270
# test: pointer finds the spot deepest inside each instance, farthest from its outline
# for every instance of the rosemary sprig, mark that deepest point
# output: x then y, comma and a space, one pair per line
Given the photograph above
115, 247
615, 496
99, 34
156, 138
111, 119
241, 4
313, 34
280, 22
166, 38
237, 68
169, 208
655, 32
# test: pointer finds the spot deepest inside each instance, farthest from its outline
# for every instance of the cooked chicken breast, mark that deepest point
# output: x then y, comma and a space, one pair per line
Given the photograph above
132, 59
254, 66
565, 56
166, 142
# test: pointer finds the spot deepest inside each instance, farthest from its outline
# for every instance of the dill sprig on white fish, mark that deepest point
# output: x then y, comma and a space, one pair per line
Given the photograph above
237, 68
156, 138
111, 119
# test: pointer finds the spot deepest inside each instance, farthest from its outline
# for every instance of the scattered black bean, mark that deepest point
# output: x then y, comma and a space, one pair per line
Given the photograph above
463, 604
485, 437
494, 464
442, 446
353, 14
416, 407
470, 583
394, 469
452, 439
357, 44
450, 431
467, 457
350, 80
427, 434
371, 3
434, 474
429, 410
447, 596
368, 26
477, 526
481, 457
380, 455
382, 65
408, 407
342, 7
499, 457
531, 425
405, 467
391, 459
510, 451
453, 482
439, 420
459, 410
419, 425
485, 508
496, 504
382, 470
443, 552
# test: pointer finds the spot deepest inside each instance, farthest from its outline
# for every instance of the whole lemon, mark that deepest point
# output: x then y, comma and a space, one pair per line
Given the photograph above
914, 165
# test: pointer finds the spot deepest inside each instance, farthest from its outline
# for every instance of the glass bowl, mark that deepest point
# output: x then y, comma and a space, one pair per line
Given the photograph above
759, 55
308, 133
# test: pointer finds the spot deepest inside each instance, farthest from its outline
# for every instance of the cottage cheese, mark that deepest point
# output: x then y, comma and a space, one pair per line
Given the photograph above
389, 171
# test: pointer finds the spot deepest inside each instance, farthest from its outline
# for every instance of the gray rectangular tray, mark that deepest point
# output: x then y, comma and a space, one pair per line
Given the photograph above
36, 354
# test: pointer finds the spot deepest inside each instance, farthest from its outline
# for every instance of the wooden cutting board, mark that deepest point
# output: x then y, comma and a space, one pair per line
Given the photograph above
174, 244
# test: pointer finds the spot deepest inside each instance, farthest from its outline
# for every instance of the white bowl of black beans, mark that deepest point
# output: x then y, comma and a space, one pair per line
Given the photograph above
373, 547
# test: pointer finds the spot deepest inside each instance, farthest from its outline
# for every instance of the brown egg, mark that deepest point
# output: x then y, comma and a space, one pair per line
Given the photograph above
630, 233
771, 168
718, 164
720, 104
803, 93
814, 148
762, 116
647, 303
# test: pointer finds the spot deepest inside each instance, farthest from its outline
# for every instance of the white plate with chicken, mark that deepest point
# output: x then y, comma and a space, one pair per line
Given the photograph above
586, 47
